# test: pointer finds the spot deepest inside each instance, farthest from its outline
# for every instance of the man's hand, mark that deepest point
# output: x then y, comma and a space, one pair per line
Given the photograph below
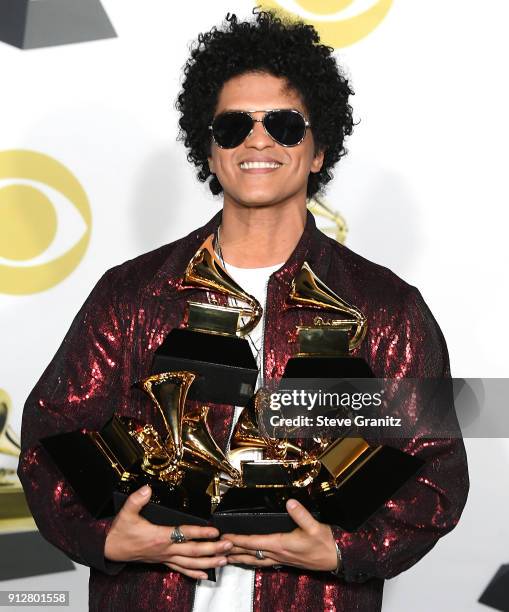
310, 546
132, 538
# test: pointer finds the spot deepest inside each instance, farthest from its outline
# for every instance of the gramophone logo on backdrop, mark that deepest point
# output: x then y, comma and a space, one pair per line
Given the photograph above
46, 221
340, 23
30, 24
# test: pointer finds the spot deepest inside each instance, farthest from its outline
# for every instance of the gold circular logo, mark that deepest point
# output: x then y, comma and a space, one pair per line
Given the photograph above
339, 32
29, 221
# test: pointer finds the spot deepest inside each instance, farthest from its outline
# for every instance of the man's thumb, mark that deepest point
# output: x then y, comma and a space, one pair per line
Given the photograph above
135, 502
300, 515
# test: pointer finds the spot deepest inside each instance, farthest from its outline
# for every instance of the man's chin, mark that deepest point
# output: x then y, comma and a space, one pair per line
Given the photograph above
258, 200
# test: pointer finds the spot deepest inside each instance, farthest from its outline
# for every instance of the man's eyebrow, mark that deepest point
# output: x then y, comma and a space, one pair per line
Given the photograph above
246, 109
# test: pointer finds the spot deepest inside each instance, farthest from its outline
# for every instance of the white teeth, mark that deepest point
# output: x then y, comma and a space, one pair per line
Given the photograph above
258, 164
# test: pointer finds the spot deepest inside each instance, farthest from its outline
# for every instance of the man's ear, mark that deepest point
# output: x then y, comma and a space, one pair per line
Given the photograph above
317, 163
211, 164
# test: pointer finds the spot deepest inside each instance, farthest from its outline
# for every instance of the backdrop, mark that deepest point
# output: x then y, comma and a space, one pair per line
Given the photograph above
91, 175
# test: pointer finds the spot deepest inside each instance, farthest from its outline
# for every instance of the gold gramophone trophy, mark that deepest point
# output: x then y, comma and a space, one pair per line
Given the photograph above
181, 466
14, 512
212, 343
25, 552
104, 467
340, 481
256, 501
357, 478
341, 478
325, 347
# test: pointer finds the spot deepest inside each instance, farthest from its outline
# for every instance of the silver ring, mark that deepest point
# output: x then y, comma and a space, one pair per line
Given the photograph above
259, 555
176, 536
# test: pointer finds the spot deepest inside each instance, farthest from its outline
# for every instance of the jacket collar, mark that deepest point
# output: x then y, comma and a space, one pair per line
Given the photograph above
313, 247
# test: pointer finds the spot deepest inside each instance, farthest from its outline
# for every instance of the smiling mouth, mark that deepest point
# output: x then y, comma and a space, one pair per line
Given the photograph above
258, 165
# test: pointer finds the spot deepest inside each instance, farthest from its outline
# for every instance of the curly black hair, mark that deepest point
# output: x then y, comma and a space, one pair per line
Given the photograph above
287, 49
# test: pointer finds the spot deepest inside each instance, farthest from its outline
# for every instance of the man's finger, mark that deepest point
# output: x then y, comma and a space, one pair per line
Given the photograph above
199, 549
304, 519
270, 542
197, 563
251, 560
196, 574
238, 550
196, 532
135, 502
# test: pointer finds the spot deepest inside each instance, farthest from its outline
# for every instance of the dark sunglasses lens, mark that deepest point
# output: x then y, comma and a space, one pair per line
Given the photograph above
230, 129
286, 127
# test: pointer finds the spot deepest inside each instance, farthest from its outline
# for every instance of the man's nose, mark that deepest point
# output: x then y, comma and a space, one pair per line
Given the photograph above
259, 139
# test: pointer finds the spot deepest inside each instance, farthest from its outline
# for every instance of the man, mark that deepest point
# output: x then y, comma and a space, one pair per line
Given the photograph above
264, 111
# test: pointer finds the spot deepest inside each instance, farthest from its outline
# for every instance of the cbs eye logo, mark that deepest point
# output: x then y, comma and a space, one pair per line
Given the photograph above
45, 222
338, 22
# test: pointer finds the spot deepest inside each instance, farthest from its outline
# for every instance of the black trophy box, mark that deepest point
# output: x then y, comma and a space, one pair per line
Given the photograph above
86, 468
86, 460
184, 504
352, 503
225, 364
496, 594
327, 367
161, 513
258, 510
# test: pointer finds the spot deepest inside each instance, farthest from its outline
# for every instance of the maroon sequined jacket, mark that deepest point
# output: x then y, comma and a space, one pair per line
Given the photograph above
111, 344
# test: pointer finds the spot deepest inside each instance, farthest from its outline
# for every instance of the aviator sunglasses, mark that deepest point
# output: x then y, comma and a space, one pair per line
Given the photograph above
286, 126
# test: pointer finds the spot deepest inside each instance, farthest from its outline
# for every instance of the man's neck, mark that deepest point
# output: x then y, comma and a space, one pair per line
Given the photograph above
256, 237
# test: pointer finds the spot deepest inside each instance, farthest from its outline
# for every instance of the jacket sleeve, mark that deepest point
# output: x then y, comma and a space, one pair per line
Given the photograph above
74, 392
430, 504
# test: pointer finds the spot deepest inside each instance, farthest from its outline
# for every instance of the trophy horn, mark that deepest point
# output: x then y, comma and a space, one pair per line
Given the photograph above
9, 443
206, 271
168, 391
198, 441
247, 433
308, 290
321, 208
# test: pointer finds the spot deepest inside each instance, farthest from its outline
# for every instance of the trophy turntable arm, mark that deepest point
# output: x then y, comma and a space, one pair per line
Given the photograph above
430, 504
74, 392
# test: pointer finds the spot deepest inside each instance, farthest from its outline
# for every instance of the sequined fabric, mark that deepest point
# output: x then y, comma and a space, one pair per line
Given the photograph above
111, 344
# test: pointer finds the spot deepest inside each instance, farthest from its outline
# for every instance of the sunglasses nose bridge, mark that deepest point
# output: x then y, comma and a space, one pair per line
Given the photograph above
259, 131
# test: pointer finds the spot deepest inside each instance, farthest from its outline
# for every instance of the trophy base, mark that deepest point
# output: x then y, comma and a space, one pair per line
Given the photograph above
350, 504
260, 510
225, 365
87, 469
496, 594
26, 554
13, 504
160, 514
31, 24
327, 367
184, 504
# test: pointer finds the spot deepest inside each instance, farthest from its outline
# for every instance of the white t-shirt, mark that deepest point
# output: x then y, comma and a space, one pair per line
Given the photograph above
232, 592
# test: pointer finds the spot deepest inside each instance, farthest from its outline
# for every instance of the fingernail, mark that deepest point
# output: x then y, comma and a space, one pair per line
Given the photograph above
227, 545
203, 576
222, 562
145, 491
291, 504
